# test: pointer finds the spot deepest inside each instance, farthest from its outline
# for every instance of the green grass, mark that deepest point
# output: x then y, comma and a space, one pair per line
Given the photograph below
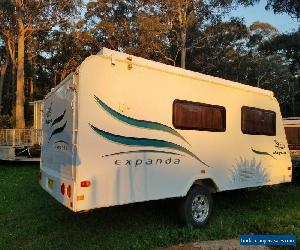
31, 219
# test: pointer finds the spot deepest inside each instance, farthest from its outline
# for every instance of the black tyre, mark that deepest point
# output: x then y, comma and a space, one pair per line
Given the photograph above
196, 207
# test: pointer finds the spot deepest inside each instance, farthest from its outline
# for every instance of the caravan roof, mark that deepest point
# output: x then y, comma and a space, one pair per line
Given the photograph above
118, 56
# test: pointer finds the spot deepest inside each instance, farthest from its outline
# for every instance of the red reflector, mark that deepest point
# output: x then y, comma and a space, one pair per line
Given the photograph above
62, 189
289, 168
69, 191
85, 184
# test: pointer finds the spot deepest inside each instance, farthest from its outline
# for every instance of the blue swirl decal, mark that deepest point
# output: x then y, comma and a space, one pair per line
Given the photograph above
133, 141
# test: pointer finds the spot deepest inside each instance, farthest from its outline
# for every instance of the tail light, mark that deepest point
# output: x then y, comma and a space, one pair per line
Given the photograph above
62, 189
85, 184
69, 191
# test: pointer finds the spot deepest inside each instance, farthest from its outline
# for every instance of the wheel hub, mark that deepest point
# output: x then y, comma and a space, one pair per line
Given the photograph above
200, 207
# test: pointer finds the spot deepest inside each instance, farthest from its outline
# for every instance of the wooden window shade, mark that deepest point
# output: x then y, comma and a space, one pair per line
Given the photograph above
292, 135
258, 121
198, 116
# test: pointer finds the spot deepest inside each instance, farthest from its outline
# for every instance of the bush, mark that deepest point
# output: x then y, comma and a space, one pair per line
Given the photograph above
6, 121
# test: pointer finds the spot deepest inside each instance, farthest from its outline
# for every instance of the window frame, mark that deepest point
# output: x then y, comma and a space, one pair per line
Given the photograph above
258, 109
222, 108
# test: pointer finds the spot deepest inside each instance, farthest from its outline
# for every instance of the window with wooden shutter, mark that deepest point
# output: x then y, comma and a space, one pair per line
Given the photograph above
292, 135
198, 116
258, 121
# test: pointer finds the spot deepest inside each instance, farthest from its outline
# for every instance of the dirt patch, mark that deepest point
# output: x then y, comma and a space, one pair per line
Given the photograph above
216, 245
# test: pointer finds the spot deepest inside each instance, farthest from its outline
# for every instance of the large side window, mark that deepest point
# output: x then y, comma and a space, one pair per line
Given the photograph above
198, 116
258, 121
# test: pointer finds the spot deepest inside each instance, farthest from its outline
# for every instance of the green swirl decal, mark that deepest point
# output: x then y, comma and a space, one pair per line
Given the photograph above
139, 123
132, 141
262, 153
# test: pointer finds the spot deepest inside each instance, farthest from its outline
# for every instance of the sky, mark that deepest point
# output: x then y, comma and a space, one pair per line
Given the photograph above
283, 22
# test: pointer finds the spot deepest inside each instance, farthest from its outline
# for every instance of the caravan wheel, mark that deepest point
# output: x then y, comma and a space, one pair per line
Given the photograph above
197, 206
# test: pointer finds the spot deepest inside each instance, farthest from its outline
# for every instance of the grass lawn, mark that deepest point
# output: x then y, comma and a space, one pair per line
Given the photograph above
31, 219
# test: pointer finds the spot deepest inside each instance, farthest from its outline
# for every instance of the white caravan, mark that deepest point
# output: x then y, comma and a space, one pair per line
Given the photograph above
123, 129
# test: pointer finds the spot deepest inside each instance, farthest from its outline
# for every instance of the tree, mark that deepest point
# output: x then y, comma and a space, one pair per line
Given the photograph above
22, 19
222, 49
124, 25
63, 58
288, 46
3, 68
292, 7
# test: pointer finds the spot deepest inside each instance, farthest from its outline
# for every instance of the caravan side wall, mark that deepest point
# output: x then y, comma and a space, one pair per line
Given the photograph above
130, 151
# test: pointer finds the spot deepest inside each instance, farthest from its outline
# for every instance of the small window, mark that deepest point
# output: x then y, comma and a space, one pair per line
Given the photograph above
258, 121
292, 135
198, 116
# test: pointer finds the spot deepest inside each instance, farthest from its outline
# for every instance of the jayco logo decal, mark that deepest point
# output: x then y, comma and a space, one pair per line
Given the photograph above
61, 146
279, 147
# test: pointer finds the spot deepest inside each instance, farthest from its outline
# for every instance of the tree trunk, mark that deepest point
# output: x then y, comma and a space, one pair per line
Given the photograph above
183, 46
12, 87
182, 18
31, 88
20, 98
183, 57
2, 75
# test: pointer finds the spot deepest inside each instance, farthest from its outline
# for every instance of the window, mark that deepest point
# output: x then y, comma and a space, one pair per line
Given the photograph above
198, 116
292, 135
258, 121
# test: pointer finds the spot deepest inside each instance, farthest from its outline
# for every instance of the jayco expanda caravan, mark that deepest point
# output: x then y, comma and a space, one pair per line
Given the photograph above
122, 129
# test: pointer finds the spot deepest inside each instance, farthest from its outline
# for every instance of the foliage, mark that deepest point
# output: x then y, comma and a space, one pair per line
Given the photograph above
292, 7
20, 20
286, 47
6, 121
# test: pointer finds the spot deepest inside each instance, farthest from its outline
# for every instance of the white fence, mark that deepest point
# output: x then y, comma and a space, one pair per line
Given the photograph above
20, 137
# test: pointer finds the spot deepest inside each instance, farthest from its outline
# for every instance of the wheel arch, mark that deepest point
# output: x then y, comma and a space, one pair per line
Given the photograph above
207, 183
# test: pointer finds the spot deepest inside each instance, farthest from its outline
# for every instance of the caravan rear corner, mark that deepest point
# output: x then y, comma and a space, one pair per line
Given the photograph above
123, 129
